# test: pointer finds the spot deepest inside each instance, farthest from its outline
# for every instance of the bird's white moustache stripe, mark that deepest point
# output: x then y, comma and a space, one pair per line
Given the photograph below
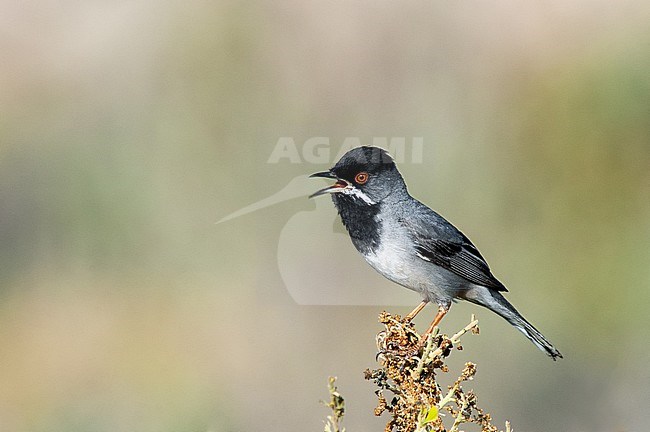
357, 193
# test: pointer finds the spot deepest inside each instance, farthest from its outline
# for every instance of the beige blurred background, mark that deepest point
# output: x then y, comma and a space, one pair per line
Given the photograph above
128, 128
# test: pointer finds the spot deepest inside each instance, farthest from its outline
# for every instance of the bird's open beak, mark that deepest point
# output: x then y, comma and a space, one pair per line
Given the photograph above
325, 174
336, 187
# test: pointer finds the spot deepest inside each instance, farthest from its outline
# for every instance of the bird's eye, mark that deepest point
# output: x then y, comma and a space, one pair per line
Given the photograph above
361, 178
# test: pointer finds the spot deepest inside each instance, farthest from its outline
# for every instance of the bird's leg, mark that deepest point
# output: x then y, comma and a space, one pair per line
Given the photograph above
416, 311
442, 310
441, 313
407, 319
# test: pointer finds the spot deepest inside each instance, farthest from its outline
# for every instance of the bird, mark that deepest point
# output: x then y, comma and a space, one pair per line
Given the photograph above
412, 245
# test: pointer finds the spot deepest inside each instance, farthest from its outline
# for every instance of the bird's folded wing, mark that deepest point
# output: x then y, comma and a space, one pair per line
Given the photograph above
442, 244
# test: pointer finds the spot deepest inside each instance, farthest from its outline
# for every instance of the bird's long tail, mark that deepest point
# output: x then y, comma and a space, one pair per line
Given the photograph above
494, 301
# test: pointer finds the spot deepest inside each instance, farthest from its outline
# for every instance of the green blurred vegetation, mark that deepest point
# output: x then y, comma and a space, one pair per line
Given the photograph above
127, 130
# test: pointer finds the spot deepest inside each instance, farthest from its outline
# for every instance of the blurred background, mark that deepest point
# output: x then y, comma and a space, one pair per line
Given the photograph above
128, 128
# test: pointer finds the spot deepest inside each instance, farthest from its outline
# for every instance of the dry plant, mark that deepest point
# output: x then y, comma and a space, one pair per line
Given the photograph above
337, 405
417, 401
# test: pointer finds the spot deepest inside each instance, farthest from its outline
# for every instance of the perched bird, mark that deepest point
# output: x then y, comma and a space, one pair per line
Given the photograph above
412, 245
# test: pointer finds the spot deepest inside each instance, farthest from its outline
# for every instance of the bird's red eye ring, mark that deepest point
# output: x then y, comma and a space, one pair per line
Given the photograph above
361, 178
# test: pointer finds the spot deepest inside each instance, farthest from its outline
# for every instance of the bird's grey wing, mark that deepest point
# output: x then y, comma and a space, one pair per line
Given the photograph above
439, 242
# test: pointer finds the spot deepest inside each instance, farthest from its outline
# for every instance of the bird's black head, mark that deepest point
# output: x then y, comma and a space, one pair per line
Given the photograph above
366, 175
